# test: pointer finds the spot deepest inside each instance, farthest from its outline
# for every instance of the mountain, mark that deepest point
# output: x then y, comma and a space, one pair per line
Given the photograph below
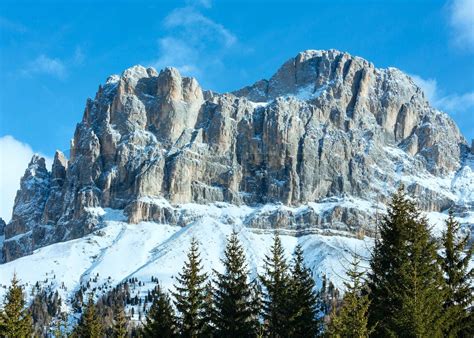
315, 151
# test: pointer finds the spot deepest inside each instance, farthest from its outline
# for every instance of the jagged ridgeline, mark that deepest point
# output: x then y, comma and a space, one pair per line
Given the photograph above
315, 148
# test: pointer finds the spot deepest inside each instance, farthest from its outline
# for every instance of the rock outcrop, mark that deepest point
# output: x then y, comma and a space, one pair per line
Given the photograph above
25, 229
326, 125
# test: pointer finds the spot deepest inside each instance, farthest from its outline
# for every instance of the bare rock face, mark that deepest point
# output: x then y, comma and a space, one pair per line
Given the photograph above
350, 94
28, 209
2, 227
30, 199
326, 125
53, 207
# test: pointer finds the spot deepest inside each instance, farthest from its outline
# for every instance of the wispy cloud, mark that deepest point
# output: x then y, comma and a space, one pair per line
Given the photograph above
194, 43
429, 87
461, 18
176, 52
457, 103
14, 156
459, 106
79, 56
53, 66
195, 24
44, 64
451, 103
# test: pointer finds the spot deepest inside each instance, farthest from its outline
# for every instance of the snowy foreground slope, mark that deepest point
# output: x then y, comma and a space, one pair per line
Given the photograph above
120, 251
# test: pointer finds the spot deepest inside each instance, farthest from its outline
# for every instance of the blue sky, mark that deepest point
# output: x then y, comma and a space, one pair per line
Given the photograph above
53, 55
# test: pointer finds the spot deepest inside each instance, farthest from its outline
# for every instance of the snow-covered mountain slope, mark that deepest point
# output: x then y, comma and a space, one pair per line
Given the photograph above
120, 251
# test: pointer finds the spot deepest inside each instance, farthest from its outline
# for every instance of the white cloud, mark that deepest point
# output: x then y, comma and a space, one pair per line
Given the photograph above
457, 103
462, 20
452, 103
14, 159
54, 66
459, 106
46, 65
177, 53
78, 57
194, 43
198, 26
429, 86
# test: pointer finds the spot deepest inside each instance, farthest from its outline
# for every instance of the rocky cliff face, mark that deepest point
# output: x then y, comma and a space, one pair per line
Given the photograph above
326, 129
2, 229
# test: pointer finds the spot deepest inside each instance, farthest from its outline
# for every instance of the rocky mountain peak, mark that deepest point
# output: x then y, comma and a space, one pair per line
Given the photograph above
58, 170
326, 130
308, 71
36, 167
28, 208
356, 94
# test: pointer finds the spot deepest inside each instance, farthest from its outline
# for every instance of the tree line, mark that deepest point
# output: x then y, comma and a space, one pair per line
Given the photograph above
416, 286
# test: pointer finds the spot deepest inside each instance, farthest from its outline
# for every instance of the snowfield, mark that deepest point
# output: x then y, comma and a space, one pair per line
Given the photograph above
120, 251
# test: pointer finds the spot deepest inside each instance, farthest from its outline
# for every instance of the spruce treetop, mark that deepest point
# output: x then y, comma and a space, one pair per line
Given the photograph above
190, 293
455, 259
15, 320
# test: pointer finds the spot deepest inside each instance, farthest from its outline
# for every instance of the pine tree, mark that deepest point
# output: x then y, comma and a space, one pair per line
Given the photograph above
233, 295
208, 329
90, 325
160, 319
120, 322
458, 278
257, 305
276, 284
406, 281
352, 318
303, 301
15, 319
190, 293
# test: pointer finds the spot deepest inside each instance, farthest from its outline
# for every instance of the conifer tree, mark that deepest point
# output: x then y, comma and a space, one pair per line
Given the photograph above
15, 320
406, 281
303, 300
160, 320
276, 291
257, 305
120, 322
234, 310
352, 318
458, 278
190, 293
208, 329
90, 325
